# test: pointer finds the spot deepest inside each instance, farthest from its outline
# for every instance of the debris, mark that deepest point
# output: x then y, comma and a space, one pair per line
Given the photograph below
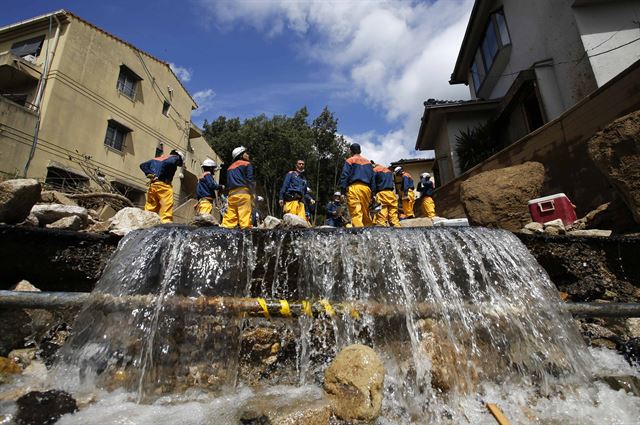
17, 197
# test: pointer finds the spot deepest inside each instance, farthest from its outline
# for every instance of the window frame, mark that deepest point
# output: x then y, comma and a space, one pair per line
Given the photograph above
111, 142
502, 40
125, 75
23, 43
166, 106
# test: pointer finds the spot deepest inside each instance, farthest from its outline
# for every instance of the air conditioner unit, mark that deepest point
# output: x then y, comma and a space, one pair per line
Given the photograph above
29, 58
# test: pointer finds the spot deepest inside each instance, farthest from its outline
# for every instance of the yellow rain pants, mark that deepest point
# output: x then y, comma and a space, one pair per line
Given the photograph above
388, 215
238, 210
204, 206
295, 207
407, 205
358, 200
428, 207
160, 200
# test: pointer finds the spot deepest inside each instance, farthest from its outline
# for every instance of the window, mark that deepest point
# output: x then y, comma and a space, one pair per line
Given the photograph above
165, 108
31, 47
496, 37
159, 149
127, 82
116, 134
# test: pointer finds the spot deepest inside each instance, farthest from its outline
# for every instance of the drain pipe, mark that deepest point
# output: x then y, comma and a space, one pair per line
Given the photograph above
268, 308
40, 89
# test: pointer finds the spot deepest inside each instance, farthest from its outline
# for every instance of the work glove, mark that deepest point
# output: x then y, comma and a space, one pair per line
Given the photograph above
152, 177
259, 198
281, 203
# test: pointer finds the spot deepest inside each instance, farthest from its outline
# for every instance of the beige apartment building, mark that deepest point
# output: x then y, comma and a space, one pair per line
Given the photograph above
79, 105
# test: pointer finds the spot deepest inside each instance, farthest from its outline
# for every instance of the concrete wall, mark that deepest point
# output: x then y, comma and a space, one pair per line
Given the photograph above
541, 30
81, 96
17, 124
605, 26
561, 145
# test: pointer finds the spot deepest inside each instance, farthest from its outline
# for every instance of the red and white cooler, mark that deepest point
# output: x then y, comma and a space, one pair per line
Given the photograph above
552, 207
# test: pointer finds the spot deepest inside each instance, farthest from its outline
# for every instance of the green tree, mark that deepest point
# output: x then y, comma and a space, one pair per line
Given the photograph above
475, 145
276, 143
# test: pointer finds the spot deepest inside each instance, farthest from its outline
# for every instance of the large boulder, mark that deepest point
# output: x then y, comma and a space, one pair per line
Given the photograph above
50, 213
616, 152
72, 222
354, 382
16, 199
130, 218
498, 198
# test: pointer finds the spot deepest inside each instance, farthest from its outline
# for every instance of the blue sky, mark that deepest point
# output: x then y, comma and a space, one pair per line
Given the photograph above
372, 62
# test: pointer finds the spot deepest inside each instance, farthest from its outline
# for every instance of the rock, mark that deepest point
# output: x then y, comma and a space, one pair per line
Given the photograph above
72, 222
30, 221
628, 383
591, 232
554, 227
8, 367
535, 227
498, 198
271, 410
44, 407
130, 218
633, 327
526, 231
631, 351
616, 152
204, 220
17, 197
613, 215
106, 212
55, 197
49, 213
24, 286
354, 382
16, 327
292, 221
23, 356
270, 222
416, 222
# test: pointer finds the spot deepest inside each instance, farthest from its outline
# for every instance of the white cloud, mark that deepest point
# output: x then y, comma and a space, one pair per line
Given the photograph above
181, 72
204, 99
395, 53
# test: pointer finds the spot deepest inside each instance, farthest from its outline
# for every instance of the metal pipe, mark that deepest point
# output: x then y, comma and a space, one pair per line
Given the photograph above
266, 308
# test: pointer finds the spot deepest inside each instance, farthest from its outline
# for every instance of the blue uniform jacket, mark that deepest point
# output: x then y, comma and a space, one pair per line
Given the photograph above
426, 189
407, 183
294, 184
383, 178
357, 169
206, 186
163, 167
240, 174
332, 208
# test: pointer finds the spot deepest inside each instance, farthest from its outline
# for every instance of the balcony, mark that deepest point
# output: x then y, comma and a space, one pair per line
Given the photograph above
18, 79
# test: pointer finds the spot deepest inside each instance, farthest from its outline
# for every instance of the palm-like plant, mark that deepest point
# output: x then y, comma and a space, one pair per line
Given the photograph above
475, 145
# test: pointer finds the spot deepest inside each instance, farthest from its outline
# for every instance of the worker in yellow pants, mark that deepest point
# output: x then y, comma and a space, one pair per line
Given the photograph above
428, 207
295, 207
356, 180
385, 197
160, 172
238, 209
207, 187
204, 206
160, 200
406, 191
358, 200
241, 186
295, 191
408, 201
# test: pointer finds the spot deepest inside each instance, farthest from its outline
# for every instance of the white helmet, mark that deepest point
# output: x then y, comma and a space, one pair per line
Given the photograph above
425, 175
209, 163
238, 151
337, 194
397, 169
177, 152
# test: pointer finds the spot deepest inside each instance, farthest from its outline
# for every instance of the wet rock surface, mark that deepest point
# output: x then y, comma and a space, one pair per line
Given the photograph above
44, 408
354, 382
50, 213
416, 222
128, 219
292, 221
17, 197
498, 198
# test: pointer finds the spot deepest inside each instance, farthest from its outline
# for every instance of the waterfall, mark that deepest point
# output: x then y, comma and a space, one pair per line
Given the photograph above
458, 310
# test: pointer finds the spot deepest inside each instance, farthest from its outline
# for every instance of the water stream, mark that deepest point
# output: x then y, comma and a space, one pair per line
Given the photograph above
467, 316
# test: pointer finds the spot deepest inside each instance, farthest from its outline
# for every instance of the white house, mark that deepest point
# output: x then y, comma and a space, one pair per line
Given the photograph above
527, 62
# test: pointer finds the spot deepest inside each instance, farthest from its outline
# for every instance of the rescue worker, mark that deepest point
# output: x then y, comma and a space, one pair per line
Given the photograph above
160, 172
408, 196
334, 211
425, 188
385, 197
207, 187
357, 182
294, 192
241, 184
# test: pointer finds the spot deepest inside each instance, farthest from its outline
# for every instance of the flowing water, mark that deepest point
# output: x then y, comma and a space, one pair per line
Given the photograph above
462, 317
